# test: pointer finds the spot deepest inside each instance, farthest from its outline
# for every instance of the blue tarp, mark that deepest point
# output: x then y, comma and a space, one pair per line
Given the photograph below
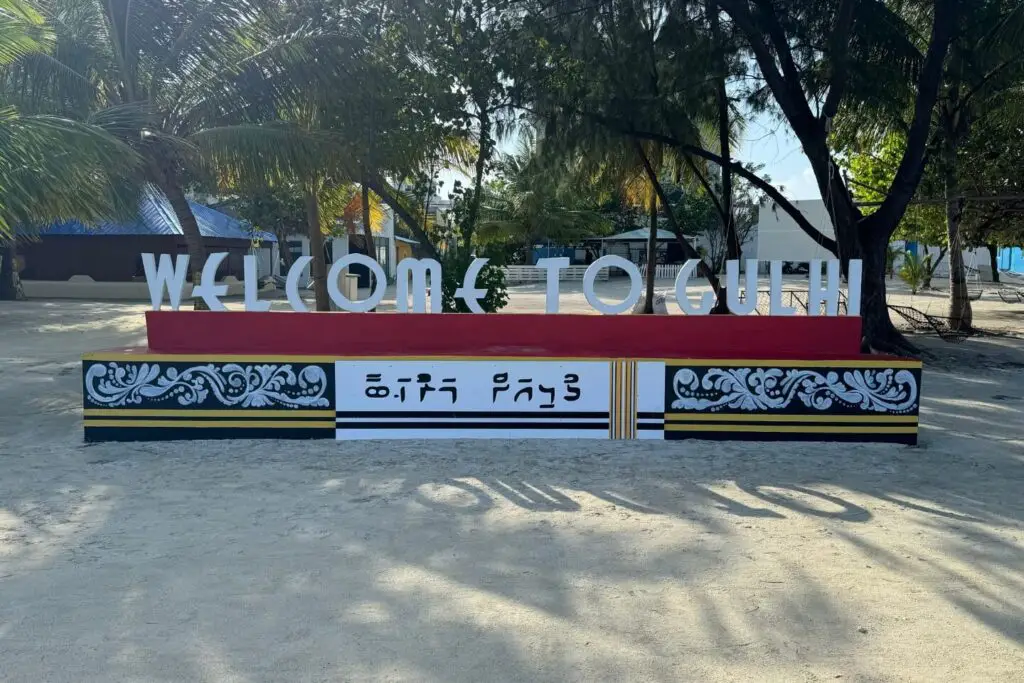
156, 217
1011, 260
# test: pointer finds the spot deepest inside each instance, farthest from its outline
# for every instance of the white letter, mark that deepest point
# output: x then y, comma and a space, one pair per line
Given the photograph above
165, 277
552, 265
732, 287
829, 294
252, 294
853, 281
209, 289
291, 284
380, 283
775, 305
612, 261
468, 292
417, 271
707, 299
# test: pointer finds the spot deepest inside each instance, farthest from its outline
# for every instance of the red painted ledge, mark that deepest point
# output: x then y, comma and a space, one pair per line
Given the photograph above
455, 334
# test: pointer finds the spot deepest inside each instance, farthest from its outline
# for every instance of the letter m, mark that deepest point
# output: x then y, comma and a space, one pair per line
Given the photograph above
416, 271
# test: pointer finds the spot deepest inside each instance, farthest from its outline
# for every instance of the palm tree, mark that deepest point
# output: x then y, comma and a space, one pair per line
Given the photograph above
51, 168
531, 202
156, 72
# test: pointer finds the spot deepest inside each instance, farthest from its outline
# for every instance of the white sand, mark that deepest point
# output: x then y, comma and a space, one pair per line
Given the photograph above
501, 561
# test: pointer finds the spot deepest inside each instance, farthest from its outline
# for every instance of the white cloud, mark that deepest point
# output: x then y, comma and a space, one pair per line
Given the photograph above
800, 186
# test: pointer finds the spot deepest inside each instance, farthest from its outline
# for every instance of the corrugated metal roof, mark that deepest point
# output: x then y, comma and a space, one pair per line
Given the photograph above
639, 234
156, 217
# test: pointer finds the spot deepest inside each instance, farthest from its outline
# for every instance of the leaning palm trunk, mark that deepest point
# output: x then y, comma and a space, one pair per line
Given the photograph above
318, 268
371, 249
171, 188
652, 254
10, 281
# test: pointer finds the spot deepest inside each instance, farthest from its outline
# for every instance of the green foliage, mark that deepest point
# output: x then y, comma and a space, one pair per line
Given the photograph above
491, 278
530, 203
915, 271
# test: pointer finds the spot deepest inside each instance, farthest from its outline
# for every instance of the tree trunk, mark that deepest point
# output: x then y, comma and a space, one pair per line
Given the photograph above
732, 243
282, 248
169, 185
993, 261
960, 314
10, 280
318, 267
879, 334
478, 180
688, 251
932, 266
371, 248
652, 254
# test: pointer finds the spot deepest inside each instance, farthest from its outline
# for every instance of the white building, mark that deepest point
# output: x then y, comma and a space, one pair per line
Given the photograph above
779, 238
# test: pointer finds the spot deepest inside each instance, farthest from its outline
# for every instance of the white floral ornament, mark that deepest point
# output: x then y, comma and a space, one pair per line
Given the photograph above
757, 389
252, 386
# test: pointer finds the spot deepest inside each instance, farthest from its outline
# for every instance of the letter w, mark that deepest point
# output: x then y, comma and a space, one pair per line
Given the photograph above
165, 277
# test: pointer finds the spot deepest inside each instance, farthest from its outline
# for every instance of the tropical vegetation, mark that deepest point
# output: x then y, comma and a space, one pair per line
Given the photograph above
566, 118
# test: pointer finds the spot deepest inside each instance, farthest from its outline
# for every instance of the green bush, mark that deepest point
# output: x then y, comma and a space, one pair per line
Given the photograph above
915, 271
491, 278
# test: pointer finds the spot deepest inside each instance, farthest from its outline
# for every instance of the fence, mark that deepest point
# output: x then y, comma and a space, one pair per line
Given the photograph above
521, 274
663, 271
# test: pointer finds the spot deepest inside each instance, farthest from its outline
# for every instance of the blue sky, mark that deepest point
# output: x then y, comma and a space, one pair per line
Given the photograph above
772, 143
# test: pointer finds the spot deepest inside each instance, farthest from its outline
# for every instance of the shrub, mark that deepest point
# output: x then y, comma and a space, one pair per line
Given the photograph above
491, 278
915, 271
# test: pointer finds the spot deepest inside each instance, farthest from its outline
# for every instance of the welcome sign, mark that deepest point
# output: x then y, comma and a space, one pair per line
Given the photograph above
415, 277
424, 374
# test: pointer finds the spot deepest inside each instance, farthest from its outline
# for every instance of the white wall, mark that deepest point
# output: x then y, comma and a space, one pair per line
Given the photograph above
779, 238
973, 258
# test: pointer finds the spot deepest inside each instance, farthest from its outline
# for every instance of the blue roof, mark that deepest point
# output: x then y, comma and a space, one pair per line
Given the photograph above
156, 217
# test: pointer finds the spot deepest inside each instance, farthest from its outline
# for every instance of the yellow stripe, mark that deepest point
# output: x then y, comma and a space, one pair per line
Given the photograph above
838, 364
809, 429
209, 424
611, 400
619, 407
253, 414
719, 417
209, 357
676, 362
632, 399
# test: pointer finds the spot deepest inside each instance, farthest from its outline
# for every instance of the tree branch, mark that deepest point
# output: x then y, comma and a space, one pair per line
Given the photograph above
840, 48
911, 168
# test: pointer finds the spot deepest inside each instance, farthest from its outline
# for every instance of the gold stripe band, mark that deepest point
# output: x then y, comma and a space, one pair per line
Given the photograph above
672, 362
211, 424
720, 417
252, 414
808, 429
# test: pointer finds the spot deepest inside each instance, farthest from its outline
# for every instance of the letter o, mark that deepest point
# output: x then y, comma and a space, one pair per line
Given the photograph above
635, 284
380, 283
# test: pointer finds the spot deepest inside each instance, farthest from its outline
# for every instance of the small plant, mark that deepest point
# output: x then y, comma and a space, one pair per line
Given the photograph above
491, 278
915, 271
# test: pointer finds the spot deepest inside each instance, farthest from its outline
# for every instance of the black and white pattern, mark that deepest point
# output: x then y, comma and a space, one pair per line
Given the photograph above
118, 384
768, 389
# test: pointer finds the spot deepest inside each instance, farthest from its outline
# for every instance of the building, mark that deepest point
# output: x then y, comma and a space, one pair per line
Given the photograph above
779, 238
111, 252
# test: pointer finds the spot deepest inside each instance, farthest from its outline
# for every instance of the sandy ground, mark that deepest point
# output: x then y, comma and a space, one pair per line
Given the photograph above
506, 561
